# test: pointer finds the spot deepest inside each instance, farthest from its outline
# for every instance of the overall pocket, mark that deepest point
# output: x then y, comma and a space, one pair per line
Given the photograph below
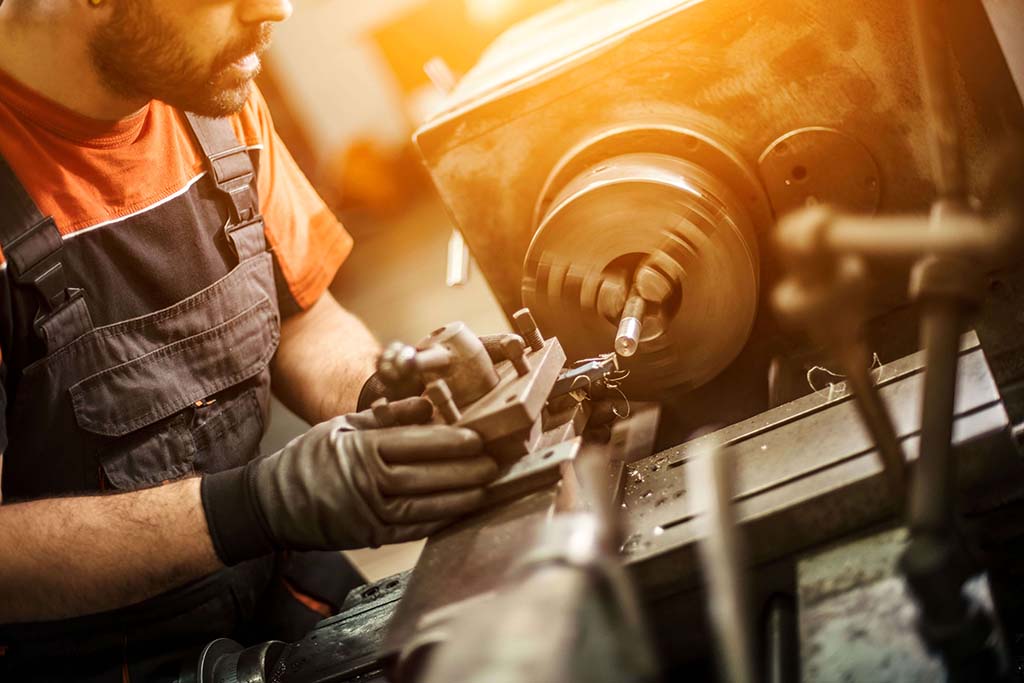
148, 413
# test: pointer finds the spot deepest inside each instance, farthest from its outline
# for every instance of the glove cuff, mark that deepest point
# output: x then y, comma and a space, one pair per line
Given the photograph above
237, 526
375, 387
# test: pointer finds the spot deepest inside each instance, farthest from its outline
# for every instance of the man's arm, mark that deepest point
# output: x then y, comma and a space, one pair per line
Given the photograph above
66, 557
326, 354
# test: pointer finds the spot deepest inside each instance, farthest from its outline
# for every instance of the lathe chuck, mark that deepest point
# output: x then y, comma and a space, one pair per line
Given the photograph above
651, 233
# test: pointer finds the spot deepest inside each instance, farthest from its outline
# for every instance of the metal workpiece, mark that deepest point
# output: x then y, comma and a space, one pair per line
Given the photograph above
469, 373
627, 337
690, 243
806, 474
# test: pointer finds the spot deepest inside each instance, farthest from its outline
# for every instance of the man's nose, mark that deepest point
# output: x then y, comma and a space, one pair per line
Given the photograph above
259, 11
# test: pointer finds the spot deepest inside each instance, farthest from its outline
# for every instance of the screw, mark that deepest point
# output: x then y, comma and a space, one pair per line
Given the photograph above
527, 328
514, 349
441, 396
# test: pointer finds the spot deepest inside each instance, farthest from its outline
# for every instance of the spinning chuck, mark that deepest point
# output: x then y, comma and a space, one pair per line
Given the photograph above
614, 254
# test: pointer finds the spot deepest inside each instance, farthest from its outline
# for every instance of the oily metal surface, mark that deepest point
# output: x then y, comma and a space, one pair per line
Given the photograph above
345, 647
472, 557
532, 471
820, 166
647, 208
807, 472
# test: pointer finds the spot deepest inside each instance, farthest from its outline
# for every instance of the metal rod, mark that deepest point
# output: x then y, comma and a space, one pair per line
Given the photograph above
627, 338
781, 642
933, 490
441, 396
908, 237
711, 476
933, 54
876, 417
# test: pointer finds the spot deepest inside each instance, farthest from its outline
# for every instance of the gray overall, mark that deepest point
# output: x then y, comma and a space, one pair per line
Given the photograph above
181, 391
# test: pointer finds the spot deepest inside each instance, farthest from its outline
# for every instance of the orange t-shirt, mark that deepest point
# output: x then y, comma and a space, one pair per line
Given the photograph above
93, 175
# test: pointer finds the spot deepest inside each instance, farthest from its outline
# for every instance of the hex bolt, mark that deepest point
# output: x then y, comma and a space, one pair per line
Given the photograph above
514, 349
441, 396
382, 412
527, 328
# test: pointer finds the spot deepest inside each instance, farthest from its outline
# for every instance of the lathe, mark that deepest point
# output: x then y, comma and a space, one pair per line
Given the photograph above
780, 240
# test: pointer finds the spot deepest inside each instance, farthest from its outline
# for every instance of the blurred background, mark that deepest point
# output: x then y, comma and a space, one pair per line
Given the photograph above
347, 83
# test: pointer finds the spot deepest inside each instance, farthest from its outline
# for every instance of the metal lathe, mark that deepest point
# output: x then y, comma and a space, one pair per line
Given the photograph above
779, 242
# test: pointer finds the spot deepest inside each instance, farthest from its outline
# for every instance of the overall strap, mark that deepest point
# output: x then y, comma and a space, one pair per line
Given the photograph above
33, 249
231, 169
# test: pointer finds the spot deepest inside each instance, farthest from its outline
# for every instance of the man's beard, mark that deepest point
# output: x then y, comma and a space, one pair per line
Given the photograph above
138, 54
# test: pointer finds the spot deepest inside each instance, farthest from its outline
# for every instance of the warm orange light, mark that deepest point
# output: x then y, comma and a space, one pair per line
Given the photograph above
490, 11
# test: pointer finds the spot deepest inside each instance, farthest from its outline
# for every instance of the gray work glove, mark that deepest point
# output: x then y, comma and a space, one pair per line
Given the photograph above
348, 484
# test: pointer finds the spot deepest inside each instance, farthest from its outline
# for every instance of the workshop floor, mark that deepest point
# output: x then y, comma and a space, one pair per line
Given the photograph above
394, 280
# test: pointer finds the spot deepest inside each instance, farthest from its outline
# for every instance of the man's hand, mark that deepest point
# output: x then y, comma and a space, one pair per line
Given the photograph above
346, 484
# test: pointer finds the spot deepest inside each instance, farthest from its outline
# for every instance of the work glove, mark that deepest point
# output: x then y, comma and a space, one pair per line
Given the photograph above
347, 483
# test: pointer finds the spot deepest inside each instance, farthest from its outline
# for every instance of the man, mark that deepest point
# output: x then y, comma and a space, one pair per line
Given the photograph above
159, 269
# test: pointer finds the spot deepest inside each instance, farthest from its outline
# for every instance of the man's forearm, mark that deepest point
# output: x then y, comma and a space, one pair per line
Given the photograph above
66, 557
326, 354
